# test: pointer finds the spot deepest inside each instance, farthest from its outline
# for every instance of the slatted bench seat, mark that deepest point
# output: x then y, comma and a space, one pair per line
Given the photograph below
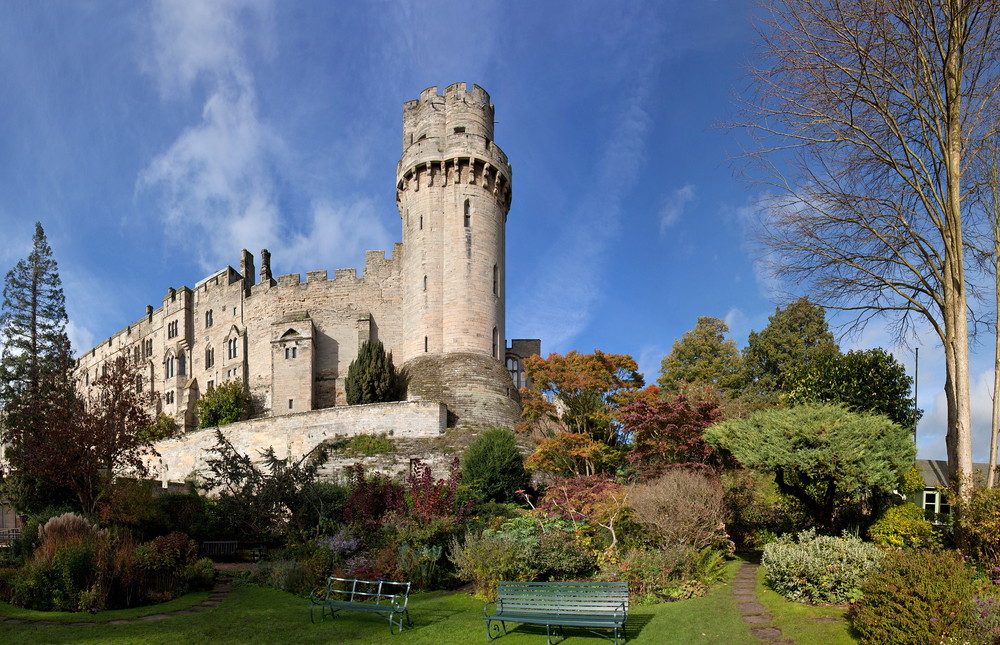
589, 605
217, 548
382, 597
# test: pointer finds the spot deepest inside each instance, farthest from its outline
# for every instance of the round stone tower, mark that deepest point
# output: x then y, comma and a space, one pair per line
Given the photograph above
453, 190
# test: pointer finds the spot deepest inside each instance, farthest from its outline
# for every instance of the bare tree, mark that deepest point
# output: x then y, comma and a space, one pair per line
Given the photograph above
987, 171
864, 116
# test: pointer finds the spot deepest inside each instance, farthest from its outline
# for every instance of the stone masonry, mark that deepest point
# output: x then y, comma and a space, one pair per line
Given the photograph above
437, 303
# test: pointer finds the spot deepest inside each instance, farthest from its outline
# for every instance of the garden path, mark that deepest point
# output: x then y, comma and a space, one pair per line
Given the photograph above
217, 595
744, 587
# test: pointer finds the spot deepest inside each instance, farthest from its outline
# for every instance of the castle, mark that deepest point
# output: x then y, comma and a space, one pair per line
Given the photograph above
437, 303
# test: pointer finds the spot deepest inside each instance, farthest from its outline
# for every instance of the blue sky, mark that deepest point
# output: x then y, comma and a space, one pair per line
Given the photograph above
156, 139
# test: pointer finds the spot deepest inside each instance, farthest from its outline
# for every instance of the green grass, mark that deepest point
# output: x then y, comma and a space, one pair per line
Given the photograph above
797, 621
252, 615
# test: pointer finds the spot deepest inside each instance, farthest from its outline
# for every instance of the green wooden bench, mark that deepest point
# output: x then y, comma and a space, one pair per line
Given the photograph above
588, 605
382, 597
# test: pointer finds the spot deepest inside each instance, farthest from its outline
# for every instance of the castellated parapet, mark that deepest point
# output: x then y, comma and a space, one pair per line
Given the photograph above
437, 303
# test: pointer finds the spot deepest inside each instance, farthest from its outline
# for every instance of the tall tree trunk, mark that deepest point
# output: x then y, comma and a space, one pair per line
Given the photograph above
959, 437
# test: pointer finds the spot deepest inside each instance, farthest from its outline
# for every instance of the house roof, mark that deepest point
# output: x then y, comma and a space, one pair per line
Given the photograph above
935, 472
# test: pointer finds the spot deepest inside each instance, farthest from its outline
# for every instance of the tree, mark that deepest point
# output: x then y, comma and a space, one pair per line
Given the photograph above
987, 171
865, 116
37, 392
821, 454
371, 377
493, 464
864, 381
796, 337
669, 431
589, 388
33, 322
226, 403
703, 355
111, 438
61, 441
255, 498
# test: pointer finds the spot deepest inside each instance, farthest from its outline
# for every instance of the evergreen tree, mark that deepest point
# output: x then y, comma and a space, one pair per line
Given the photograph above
493, 465
795, 338
33, 323
703, 355
37, 392
371, 377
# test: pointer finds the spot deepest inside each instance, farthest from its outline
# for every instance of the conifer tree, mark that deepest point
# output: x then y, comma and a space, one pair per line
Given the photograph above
36, 385
33, 323
371, 377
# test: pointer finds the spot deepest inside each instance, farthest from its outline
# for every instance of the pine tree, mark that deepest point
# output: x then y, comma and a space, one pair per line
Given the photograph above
371, 377
33, 323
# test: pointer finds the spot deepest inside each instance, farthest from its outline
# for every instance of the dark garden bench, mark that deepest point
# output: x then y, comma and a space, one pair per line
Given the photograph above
382, 597
219, 548
589, 605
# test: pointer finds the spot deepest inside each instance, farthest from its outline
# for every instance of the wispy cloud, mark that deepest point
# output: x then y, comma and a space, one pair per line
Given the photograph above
649, 361
673, 206
219, 181
563, 305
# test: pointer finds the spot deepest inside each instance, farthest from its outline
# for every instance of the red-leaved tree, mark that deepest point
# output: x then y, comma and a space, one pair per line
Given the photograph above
668, 431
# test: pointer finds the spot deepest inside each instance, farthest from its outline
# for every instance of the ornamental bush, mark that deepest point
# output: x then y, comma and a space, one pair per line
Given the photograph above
493, 465
917, 597
682, 507
903, 526
820, 568
489, 557
226, 403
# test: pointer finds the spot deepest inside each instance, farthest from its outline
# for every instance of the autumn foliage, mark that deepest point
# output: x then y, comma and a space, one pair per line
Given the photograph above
667, 431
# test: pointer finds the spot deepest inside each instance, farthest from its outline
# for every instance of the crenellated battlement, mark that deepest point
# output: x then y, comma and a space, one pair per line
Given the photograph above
440, 117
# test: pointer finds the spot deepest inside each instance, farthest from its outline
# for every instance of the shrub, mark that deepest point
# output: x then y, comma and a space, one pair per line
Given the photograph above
918, 597
370, 499
370, 444
488, 558
682, 507
371, 377
903, 526
287, 575
226, 403
674, 572
757, 512
819, 568
494, 466
980, 523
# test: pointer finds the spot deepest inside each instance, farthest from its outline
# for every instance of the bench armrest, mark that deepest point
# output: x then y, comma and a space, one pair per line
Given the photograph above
498, 605
398, 606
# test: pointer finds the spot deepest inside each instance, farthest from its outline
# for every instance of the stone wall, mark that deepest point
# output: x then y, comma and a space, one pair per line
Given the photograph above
297, 434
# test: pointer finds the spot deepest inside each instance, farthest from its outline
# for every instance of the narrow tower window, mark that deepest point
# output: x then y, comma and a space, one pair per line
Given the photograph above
468, 217
496, 336
425, 283
425, 343
421, 222
496, 281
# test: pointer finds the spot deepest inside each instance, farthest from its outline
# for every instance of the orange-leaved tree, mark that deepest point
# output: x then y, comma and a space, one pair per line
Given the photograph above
574, 406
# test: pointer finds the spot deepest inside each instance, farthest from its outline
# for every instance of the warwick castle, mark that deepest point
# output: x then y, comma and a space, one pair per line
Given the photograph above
437, 304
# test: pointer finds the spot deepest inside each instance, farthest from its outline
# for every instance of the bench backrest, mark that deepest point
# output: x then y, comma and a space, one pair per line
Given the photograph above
564, 597
219, 547
375, 591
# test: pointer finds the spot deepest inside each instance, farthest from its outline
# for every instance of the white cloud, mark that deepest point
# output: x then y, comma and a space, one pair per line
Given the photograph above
739, 325
80, 338
649, 363
673, 206
338, 231
562, 307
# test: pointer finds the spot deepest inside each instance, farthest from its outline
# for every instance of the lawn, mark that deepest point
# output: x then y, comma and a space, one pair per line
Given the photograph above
254, 615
